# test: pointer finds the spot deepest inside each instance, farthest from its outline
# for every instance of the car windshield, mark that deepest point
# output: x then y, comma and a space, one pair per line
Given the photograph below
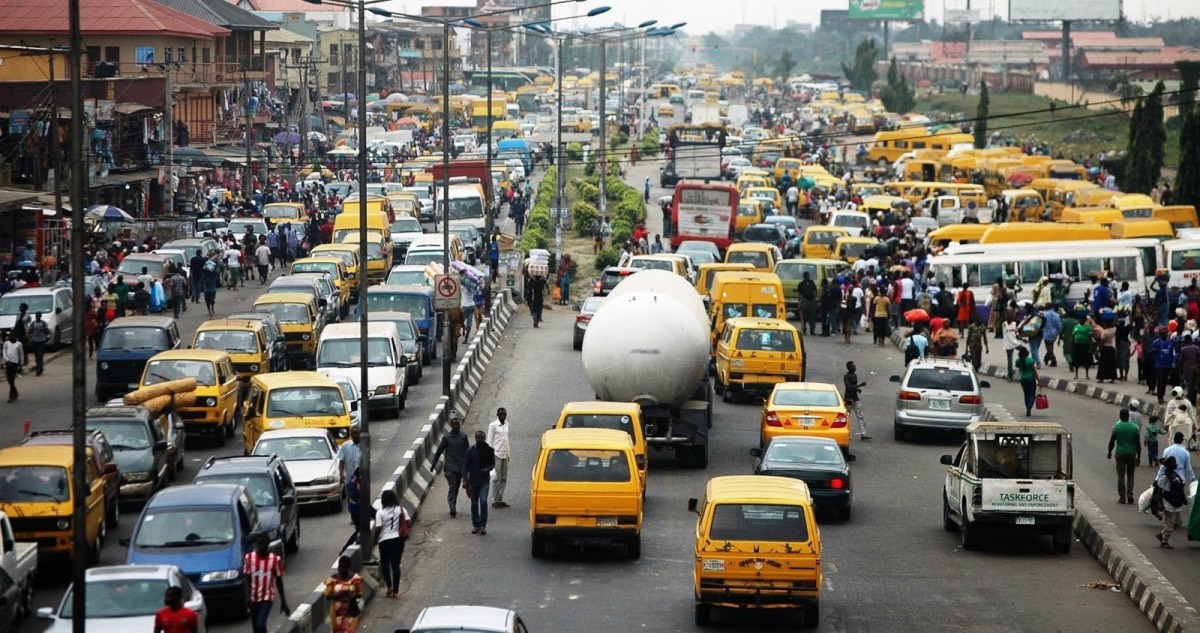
406, 225
791, 454
758, 522
40, 303
586, 466
796, 271
751, 340
232, 341
599, 421
238, 227
298, 402
653, 264
944, 378
414, 304
315, 267
592, 305
185, 526
849, 221
345, 256
748, 210
611, 278
260, 485
465, 208
164, 370
826, 238
279, 211
406, 329
766, 234
345, 353
295, 449
757, 259
20, 484
805, 398
134, 338
123, 436
133, 267
854, 249
286, 312
423, 257
406, 277
125, 598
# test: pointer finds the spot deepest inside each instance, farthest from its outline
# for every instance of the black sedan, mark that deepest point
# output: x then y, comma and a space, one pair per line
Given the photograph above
767, 233
816, 461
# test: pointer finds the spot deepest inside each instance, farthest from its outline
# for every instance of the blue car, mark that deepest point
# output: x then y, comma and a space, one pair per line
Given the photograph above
415, 300
125, 346
206, 531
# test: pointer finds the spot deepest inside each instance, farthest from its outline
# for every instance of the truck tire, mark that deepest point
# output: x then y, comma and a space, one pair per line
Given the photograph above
1063, 539
812, 615
948, 523
699, 455
968, 533
113, 518
633, 547
718, 387
703, 614
537, 546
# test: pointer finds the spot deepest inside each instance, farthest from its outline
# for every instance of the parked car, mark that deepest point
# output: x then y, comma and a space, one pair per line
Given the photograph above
270, 486
311, 459
123, 598
53, 302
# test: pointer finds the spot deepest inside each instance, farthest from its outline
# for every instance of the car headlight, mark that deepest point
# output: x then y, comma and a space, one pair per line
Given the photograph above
210, 402
134, 478
214, 576
324, 481
254, 368
343, 433
385, 390
104, 366
276, 424
63, 524
305, 337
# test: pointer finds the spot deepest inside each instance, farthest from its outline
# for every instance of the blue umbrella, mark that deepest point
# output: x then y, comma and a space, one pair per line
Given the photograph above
288, 138
107, 213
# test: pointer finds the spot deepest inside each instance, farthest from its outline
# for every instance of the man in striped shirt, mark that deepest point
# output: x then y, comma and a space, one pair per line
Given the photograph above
265, 569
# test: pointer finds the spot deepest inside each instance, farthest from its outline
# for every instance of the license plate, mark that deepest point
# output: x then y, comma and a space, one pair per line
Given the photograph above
808, 422
606, 521
133, 385
1024, 520
939, 404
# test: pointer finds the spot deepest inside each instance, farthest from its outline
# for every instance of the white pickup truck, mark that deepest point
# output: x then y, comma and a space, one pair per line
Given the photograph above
1011, 475
19, 561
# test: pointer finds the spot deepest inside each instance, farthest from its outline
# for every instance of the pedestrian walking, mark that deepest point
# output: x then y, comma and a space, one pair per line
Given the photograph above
537, 292
481, 459
806, 289
177, 292
646, 191
1162, 359
880, 321
348, 456
262, 257
14, 355
1153, 430
1027, 373
977, 341
210, 279
1174, 498
852, 394
39, 337
174, 617
264, 568
196, 268
21, 329
1125, 440
343, 592
497, 438
233, 263
392, 526
454, 445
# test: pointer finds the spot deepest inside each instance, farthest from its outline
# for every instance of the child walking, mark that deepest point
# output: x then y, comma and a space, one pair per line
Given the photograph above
1153, 430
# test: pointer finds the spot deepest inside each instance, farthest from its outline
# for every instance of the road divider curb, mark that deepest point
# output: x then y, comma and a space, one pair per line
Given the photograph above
414, 474
1138, 578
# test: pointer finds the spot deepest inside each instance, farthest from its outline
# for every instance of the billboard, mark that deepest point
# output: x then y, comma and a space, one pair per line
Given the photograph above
1054, 10
890, 9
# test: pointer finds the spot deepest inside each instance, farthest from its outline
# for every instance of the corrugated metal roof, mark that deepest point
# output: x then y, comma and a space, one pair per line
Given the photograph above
221, 13
292, 6
1139, 59
104, 17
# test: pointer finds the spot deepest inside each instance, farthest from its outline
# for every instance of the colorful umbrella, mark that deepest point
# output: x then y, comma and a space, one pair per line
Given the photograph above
106, 213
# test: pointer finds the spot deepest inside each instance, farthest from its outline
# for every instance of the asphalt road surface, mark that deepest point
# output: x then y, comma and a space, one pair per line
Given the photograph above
46, 403
890, 568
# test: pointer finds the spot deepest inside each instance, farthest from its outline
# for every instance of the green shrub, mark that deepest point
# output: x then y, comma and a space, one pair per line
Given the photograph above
583, 214
587, 192
541, 219
607, 257
574, 151
622, 230
649, 147
534, 237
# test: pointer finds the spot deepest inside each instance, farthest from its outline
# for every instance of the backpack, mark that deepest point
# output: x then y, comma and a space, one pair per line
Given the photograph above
1175, 494
1032, 326
925, 302
911, 352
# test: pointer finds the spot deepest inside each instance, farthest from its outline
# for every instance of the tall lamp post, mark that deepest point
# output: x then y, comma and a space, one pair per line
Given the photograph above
364, 518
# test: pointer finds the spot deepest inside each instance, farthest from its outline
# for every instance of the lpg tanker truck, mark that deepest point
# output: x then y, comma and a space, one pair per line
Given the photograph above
649, 343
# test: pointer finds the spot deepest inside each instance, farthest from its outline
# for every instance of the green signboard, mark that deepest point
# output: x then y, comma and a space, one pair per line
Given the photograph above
886, 9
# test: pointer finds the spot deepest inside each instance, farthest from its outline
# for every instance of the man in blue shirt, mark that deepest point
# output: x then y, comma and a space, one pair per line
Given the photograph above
1183, 460
1051, 328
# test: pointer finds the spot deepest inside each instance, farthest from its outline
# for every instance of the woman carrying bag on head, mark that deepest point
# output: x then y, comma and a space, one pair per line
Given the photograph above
391, 532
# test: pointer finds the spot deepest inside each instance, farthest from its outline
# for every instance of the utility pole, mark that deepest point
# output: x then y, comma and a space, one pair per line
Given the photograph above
78, 349
364, 517
560, 167
248, 182
489, 223
55, 152
602, 156
169, 138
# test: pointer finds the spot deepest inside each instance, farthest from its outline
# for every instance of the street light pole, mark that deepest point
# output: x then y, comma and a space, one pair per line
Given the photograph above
560, 166
488, 220
446, 333
602, 154
364, 515
78, 350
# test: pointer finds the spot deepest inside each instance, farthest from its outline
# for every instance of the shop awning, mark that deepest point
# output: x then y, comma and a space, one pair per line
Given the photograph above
132, 108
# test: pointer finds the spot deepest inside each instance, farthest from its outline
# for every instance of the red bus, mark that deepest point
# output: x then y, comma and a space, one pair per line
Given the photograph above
705, 211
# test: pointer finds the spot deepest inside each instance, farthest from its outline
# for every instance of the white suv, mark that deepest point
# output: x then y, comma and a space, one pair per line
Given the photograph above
53, 302
938, 393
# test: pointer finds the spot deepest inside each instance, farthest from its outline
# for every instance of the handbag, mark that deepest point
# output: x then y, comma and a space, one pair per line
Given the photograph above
1041, 402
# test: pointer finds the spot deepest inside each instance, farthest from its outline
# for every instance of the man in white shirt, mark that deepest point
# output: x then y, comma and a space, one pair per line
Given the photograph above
233, 262
907, 293
262, 257
13, 355
497, 438
793, 200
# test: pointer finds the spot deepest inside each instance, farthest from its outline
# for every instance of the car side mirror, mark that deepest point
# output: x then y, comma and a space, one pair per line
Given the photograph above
985, 384
354, 405
894, 378
109, 469
58, 311
422, 337
45, 613
948, 460
9, 545
123, 542
693, 504
851, 458
288, 500
756, 452
321, 303
280, 339
178, 426
577, 308
160, 446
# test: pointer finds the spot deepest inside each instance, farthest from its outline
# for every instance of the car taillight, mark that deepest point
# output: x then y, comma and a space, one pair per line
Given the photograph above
640, 460
840, 421
583, 318
970, 400
599, 287
837, 483
909, 395
772, 419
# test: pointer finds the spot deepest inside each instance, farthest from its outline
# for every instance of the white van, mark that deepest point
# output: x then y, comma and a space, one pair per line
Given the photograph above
338, 354
852, 221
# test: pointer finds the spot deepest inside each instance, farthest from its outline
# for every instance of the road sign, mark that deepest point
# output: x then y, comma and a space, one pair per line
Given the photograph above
446, 293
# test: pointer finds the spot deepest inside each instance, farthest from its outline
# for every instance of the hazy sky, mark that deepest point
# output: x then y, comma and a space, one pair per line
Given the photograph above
719, 15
